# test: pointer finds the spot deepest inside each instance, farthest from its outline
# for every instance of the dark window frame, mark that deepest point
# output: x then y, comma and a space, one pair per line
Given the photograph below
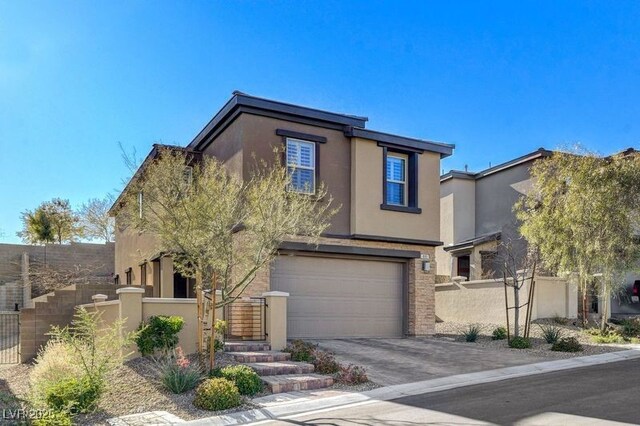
411, 179
303, 137
143, 273
129, 276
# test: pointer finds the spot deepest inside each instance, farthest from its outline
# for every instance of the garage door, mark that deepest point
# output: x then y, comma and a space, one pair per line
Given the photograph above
331, 297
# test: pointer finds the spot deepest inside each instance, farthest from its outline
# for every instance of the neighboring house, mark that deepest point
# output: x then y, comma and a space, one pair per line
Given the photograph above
477, 214
373, 272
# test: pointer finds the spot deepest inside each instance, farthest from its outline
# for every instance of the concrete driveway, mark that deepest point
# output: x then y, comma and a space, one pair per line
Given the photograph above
397, 361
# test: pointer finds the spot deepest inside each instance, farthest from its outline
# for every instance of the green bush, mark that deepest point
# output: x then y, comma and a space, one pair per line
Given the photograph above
519, 342
73, 395
471, 333
160, 333
217, 394
630, 327
567, 344
500, 333
551, 333
245, 378
301, 351
325, 363
606, 336
178, 374
53, 418
351, 375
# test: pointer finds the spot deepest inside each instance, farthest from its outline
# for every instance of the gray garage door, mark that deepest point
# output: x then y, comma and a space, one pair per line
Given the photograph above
331, 297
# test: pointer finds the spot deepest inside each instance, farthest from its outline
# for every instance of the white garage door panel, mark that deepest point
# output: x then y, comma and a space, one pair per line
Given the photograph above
332, 297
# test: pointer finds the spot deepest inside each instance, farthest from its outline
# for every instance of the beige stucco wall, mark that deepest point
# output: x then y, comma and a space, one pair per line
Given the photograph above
366, 181
482, 301
132, 248
185, 308
457, 218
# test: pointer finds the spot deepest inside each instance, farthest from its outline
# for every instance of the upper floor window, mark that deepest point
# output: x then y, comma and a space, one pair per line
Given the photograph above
128, 276
400, 179
301, 165
396, 179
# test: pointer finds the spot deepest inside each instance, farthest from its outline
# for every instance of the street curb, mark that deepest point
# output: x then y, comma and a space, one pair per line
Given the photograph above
416, 388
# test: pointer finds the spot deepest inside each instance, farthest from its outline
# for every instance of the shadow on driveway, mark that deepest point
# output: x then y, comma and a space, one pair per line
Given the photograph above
398, 361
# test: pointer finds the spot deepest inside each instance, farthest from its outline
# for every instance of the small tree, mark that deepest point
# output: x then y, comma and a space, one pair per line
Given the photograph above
582, 216
95, 220
517, 263
52, 222
221, 229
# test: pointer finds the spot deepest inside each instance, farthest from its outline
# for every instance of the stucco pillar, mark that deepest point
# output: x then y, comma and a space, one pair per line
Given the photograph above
276, 319
130, 310
166, 277
26, 281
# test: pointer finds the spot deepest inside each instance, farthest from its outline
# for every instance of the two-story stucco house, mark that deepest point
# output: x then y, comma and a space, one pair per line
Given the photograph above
373, 273
477, 213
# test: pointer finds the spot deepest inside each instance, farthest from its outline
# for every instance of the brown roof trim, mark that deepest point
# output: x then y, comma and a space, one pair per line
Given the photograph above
383, 239
540, 153
262, 106
400, 142
349, 250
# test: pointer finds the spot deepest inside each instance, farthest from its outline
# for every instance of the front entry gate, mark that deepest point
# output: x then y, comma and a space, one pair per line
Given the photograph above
9, 337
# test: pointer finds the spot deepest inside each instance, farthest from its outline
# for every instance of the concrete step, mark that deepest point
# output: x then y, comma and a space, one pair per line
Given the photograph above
270, 356
247, 346
296, 382
281, 368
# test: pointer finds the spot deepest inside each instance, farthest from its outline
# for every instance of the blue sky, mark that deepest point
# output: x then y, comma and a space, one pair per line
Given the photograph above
498, 79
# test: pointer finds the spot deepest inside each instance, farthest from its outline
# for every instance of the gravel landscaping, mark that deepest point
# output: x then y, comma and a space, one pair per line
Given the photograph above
134, 388
453, 332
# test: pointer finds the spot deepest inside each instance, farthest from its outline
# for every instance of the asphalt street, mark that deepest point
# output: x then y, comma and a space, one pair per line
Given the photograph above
605, 394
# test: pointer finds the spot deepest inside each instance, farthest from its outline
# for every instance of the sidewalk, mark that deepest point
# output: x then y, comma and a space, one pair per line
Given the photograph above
275, 406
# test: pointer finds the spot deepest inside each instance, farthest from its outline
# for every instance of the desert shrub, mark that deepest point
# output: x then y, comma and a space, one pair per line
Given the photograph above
178, 374
217, 394
351, 375
551, 333
325, 363
160, 333
560, 320
605, 336
55, 363
499, 333
245, 378
53, 418
567, 344
85, 352
519, 342
74, 395
630, 327
471, 333
301, 351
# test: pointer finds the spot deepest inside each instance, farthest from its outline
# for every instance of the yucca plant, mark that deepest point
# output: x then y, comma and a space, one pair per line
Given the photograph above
551, 333
471, 333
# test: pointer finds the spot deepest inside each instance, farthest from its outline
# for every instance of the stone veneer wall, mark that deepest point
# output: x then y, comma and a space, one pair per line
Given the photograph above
421, 318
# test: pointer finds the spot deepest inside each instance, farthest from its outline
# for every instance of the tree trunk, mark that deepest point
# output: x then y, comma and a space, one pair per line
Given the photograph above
212, 338
585, 309
516, 309
605, 307
200, 313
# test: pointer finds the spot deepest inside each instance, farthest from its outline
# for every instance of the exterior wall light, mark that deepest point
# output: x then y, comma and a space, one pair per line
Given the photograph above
426, 262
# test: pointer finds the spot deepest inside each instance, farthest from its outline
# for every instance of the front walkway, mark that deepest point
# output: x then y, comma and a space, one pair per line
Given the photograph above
398, 361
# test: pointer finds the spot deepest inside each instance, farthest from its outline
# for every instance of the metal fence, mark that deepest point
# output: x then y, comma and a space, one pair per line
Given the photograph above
246, 319
9, 337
